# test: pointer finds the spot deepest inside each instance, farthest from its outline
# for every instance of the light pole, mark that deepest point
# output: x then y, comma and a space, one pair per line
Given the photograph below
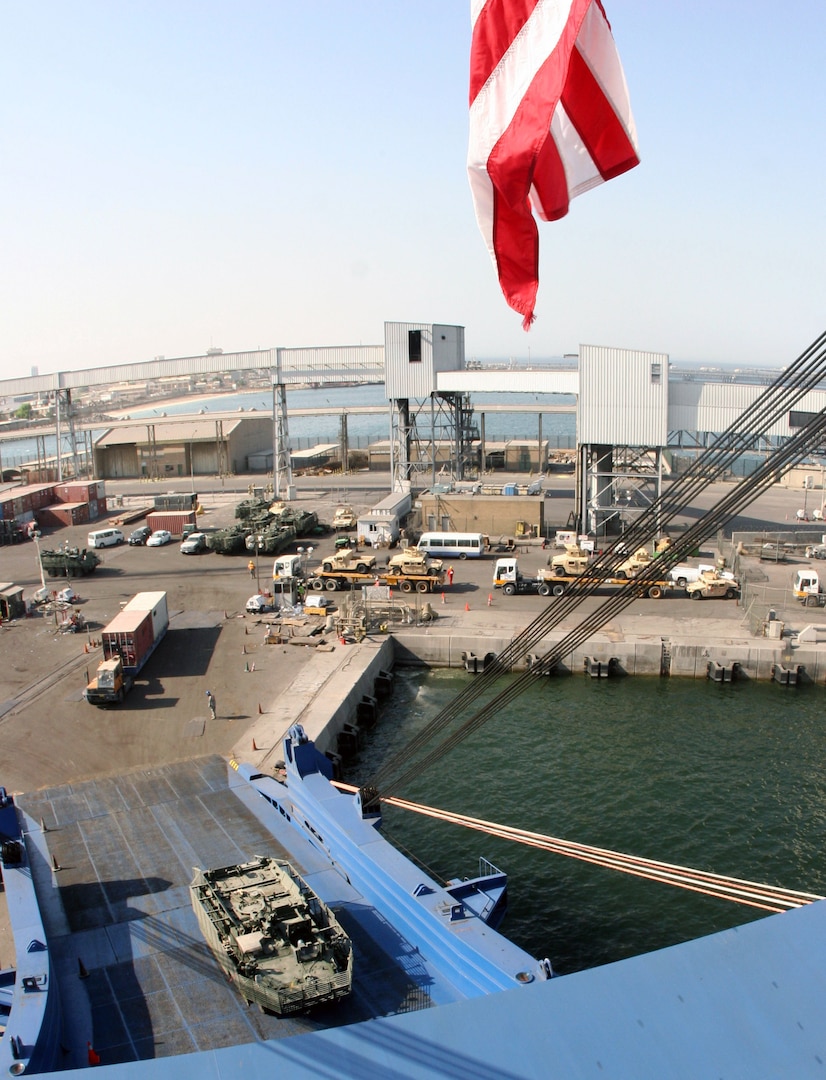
40, 564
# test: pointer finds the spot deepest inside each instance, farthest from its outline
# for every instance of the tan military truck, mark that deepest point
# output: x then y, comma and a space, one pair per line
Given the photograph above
574, 560
349, 561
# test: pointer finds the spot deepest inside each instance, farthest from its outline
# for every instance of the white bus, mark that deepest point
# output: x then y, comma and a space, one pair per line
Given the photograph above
454, 545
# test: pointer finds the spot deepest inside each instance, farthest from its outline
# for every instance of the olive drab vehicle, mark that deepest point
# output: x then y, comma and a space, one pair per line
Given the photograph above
73, 562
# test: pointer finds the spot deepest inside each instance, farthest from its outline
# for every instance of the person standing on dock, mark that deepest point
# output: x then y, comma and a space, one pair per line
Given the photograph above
211, 704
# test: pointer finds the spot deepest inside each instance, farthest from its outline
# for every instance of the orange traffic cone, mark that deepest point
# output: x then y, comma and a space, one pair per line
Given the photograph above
467, 607
94, 1056
490, 599
260, 710
443, 597
254, 745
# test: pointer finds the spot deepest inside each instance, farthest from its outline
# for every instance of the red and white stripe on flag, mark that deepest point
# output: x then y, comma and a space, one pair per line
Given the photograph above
550, 118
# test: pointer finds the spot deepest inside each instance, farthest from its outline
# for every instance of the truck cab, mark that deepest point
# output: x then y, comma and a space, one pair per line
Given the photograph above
509, 578
288, 566
109, 683
807, 588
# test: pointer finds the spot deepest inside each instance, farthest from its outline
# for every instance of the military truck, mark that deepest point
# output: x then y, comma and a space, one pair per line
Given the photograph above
712, 585
348, 560
411, 571
72, 562
344, 518
574, 560
633, 564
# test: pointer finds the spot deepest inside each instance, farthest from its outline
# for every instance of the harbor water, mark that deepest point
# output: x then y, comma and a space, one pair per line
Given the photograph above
559, 430
727, 778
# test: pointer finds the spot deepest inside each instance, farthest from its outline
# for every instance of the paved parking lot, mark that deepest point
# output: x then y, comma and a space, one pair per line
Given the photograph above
51, 735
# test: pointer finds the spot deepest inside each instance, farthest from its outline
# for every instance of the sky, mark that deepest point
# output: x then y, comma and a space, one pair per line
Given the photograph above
179, 175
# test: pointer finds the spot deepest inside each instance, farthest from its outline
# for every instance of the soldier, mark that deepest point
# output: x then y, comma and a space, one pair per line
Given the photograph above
211, 704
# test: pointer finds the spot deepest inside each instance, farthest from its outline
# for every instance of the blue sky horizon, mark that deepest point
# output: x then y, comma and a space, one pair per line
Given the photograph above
192, 175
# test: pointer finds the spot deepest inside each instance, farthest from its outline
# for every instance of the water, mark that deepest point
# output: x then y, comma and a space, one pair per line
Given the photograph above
722, 778
305, 431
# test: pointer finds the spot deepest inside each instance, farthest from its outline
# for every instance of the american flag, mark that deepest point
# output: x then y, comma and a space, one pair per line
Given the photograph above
550, 118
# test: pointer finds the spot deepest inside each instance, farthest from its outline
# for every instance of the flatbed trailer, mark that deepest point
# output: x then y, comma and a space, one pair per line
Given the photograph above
423, 583
341, 580
509, 578
645, 587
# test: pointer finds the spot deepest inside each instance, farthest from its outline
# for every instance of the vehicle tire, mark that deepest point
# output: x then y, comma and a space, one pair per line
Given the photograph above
559, 571
655, 592
421, 586
681, 582
730, 594
462, 554
406, 586
331, 585
558, 590
317, 585
621, 575
544, 590
695, 595
811, 601
509, 589
362, 568
327, 567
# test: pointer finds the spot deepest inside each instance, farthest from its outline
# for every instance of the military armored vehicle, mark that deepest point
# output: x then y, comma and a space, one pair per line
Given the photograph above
73, 562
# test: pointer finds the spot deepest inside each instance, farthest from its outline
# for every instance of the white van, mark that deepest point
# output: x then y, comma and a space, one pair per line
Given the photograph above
104, 538
454, 545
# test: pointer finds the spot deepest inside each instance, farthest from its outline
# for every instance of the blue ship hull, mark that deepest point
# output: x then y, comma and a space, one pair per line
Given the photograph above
452, 928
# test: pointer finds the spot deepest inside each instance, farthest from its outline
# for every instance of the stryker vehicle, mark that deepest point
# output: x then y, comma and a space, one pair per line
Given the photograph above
229, 541
276, 940
272, 539
73, 562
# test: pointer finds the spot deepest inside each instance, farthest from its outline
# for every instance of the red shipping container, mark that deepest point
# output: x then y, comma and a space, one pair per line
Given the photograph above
129, 635
171, 520
64, 514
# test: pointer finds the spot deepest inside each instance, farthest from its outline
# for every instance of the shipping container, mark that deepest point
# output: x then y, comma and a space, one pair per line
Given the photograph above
174, 501
156, 604
171, 520
63, 514
129, 635
79, 490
